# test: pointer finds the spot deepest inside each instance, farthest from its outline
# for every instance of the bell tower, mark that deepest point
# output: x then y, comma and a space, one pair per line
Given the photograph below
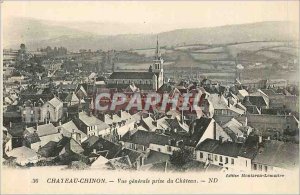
157, 66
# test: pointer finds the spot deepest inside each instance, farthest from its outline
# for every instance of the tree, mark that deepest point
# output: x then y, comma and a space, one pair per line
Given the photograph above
180, 157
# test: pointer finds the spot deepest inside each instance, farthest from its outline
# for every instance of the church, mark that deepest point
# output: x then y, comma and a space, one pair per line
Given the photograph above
148, 80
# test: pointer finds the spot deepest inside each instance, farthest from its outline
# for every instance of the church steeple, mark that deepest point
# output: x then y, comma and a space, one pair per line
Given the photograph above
157, 51
157, 66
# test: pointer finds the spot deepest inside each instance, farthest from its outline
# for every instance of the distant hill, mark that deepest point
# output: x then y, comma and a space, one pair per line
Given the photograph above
36, 34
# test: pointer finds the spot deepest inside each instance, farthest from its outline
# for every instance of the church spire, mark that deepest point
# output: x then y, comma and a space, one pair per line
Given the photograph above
157, 52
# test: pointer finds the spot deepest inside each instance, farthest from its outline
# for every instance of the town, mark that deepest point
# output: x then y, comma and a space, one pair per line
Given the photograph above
51, 115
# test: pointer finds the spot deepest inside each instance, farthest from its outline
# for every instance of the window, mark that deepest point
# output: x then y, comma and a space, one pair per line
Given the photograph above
226, 160
209, 157
260, 167
158, 149
221, 159
201, 155
266, 168
255, 166
246, 163
216, 157
232, 161
169, 148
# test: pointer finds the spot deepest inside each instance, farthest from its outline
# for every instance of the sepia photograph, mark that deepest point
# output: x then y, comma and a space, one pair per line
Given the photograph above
149, 97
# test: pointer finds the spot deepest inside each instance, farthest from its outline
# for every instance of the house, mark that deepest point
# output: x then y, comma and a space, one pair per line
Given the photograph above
242, 94
141, 140
224, 154
24, 155
276, 156
222, 106
205, 150
31, 111
71, 99
81, 93
101, 146
41, 135
177, 124
229, 155
70, 150
278, 123
153, 157
280, 100
69, 129
136, 158
91, 125
120, 163
252, 102
49, 150
100, 163
52, 110
235, 130
201, 129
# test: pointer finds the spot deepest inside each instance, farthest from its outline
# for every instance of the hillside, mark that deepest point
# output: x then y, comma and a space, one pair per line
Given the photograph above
36, 33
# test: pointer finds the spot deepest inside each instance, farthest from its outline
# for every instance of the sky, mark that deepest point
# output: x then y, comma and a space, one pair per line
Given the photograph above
170, 15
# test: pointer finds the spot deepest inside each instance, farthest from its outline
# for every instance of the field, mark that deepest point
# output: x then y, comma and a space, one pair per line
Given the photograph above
260, 59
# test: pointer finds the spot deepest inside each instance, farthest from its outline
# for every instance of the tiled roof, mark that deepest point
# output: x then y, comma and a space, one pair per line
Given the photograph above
199, 127
46, 129
90, 141
92, 120
99, 163
72, 98
32, 138
255, 100
228, 149
131, 75
235, 126
83, 90
67, 129
75, 147
278, 154
156, 157
132, 154
208, 145
145, 138
48, 150
55, 102
250, 147
120, 163
22, 152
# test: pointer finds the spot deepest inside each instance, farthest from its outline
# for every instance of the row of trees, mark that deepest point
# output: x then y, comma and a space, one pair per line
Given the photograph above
56, 51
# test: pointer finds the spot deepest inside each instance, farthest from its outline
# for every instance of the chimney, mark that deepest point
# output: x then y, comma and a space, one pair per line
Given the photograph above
192, 128
59, 123
67, 114
120, 113
220, 139
129, 134
101, 116
94, 151
10, 124
215, 130
260, 139
154, 123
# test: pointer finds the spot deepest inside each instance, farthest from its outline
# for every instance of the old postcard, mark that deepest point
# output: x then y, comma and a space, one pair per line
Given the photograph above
149, 97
